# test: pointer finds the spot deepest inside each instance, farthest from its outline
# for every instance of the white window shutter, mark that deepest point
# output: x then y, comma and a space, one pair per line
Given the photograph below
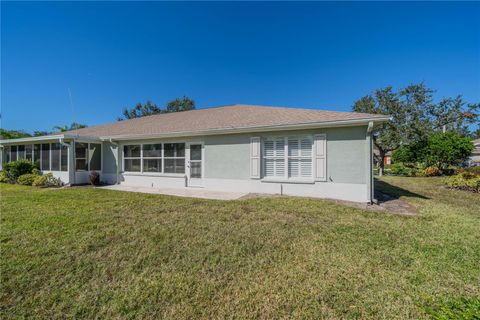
255, 160
320, 157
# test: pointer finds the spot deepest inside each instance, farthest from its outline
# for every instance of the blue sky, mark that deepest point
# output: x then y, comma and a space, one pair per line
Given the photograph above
312, 55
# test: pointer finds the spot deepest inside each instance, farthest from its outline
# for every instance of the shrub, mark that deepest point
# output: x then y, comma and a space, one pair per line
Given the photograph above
15, 169
4, 177
447, 149
94, 178
475, 170
27, 179
47, 180
36, 171
431, 171
399, 169
464, 181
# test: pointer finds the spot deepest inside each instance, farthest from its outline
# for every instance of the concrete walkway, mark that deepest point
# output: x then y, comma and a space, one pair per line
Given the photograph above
183, 192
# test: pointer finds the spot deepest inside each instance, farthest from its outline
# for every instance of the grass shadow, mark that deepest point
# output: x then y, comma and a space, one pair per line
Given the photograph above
384, 190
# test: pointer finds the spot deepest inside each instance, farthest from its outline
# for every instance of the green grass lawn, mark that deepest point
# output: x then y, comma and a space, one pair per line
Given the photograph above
85, 253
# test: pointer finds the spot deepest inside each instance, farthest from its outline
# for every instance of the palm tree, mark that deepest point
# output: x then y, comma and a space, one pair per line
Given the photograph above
73, 126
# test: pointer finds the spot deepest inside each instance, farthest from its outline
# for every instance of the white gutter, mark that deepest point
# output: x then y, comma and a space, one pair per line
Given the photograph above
48, 138
31, 139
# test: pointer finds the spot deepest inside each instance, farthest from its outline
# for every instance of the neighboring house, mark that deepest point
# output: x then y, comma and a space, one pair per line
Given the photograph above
474, 159
386, 160
232, 148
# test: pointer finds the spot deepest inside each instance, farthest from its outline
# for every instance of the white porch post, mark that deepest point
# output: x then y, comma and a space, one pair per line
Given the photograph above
71, 163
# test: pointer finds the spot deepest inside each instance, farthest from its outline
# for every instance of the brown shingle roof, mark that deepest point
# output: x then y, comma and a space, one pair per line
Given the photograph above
226, 117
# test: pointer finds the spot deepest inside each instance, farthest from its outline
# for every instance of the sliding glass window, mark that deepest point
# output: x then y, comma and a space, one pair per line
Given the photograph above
174, 157
45, 163
55, 153
132, 158
64, 158
81, 156
36, 155
21, 152
13, 153
6, 150
28, 152
152, 157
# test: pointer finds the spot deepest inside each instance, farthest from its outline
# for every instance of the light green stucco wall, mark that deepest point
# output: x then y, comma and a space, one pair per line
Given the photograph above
228, 156
109, 158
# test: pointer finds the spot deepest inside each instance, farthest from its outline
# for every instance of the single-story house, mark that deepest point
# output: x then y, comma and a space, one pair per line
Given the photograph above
240, 148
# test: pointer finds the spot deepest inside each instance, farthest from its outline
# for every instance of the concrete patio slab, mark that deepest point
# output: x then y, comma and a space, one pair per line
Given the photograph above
184, 192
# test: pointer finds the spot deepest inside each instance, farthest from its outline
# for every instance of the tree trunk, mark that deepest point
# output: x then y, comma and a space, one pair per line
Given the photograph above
381, 165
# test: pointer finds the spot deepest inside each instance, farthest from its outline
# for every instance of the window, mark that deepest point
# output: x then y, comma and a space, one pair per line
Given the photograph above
81, 153
7, 154
288, 157
28, 152
132, 158
13, 153
45, 163
152, 157
64, 158
95, 155
36, 155
300, 157
21, 152
174, 157
55, 157
46, 157
274, 157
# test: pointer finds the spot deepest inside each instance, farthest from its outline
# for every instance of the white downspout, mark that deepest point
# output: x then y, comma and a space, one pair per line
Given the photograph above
370, 180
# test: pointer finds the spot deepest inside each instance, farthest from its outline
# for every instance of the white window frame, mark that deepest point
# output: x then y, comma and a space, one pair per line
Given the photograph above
61, 149
40, 152
83, 158
300, 157
87, 153
175, 158
150, 158
275, 157
49, 157
132, 158
286, 177
142, 172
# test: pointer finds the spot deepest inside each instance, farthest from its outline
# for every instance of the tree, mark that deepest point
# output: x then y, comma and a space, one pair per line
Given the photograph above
446, 149
150, 108
13, 134
454, 114
415, 117
476, 133
180, 104
73, 126
407, 109
41, 133
140, 110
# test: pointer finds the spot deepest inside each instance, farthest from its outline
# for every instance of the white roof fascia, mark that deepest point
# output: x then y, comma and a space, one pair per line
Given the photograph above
48, 138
